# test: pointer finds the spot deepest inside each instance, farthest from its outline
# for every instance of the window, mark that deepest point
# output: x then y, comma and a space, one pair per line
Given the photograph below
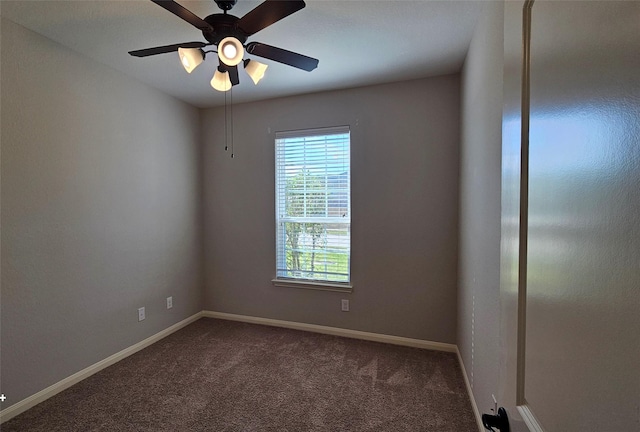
313, 205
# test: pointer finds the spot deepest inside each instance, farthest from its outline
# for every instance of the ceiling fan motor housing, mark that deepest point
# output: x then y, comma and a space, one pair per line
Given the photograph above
224, 25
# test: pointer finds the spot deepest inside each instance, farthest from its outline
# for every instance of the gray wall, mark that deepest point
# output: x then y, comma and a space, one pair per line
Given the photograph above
582, 342
480, 177
405, 140
100, 212
583, 276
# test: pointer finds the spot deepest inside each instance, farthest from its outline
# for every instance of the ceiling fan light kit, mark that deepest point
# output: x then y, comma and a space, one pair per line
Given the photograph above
229, 34
230, 51
221, 80
190, 58
255, 70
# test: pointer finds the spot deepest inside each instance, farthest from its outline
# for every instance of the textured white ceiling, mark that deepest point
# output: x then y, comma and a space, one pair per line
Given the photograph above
357, 42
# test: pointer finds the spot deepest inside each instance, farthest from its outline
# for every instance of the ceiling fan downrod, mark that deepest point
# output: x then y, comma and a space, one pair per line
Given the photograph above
226, 5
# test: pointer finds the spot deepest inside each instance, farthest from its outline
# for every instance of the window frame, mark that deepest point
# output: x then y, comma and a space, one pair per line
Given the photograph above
280, 244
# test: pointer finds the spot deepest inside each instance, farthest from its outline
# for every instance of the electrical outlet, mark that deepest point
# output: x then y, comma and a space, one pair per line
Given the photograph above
345, 305
141, 313
169, 302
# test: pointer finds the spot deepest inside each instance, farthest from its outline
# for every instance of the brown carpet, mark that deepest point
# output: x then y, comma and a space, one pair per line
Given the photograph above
217, 375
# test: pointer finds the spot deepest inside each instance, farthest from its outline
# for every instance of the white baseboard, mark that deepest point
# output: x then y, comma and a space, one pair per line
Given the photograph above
33, 400
474, 406
335, 331
529, 419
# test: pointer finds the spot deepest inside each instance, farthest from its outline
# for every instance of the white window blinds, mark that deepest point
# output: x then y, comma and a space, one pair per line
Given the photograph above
313, 204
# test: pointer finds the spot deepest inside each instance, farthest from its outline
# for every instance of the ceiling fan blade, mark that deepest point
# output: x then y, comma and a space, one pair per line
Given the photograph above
268, 13
166, 49
282, 56
184, 13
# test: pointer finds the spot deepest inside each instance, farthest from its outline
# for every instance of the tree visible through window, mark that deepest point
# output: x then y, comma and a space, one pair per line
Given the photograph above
313, 204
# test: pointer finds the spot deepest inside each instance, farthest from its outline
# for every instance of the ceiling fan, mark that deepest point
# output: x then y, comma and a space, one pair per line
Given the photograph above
229, 34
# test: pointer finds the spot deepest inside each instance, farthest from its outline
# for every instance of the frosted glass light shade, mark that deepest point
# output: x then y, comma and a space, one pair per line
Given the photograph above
255, 70
230, 51
221, 81
190, 58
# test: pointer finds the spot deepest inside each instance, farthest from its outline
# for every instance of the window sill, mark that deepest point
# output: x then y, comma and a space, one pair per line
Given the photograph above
313, 285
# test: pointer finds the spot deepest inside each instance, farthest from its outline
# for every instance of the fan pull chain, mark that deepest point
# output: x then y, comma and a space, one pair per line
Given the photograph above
231, 108
226, 147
